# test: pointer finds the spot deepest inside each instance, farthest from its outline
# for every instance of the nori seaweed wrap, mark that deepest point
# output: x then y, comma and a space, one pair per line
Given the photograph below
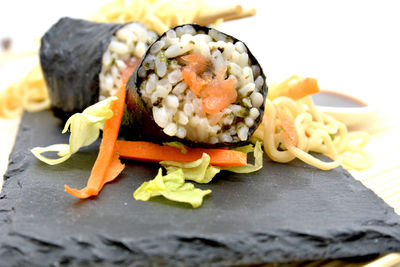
198, 86
82, 61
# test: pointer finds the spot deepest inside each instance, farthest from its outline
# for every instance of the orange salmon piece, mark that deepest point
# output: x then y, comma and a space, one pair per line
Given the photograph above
216, 94
219, 95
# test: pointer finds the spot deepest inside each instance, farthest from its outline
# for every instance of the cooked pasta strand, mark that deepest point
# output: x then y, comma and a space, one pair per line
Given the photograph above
29, 94
317, 132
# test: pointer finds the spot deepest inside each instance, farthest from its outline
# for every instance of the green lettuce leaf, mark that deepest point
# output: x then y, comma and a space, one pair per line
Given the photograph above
85, 129
258, 159
173, 187
199, 170
245, 149
177, 145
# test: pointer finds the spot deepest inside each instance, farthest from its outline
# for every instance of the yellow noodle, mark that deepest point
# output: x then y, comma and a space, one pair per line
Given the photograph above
311, 160
317, 132
29, 93
159, 15
269, 137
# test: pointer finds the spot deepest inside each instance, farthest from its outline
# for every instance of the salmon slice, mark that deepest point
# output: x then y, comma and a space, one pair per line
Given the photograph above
216, 93
219, 95
196, 62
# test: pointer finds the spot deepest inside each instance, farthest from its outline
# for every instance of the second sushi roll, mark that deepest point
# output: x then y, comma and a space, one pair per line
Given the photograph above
196, 85
84, 62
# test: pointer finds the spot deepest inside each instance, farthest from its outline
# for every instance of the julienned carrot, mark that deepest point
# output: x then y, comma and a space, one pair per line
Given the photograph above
131, 66
107, 165
147, 151
113, 170
288, 127
294, 87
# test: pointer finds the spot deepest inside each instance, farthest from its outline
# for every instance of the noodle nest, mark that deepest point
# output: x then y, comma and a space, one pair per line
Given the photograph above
317, 132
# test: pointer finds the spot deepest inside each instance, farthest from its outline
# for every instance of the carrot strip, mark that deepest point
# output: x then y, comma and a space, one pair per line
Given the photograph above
147, 151
294, 87
288, 127
106, 161
131, 66
114, 169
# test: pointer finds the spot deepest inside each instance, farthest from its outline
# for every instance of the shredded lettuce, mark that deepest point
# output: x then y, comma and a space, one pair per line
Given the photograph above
199, 170
254, 139
177, 145
258, 159
85, 129
173, 187
245, 149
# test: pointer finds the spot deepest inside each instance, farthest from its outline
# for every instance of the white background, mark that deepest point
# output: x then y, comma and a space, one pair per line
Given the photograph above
349, 46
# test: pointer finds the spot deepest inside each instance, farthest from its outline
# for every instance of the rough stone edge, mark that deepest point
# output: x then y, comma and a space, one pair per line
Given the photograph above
17, 162
181, 250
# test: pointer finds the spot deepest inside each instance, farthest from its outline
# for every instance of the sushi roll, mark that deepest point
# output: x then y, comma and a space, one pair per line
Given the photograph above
198, 86
84, 62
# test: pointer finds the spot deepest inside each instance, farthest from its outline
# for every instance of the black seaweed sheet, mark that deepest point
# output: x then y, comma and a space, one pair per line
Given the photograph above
71, 55
283, 213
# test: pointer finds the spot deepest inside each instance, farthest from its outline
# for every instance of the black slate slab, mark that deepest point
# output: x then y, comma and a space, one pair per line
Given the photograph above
283, 213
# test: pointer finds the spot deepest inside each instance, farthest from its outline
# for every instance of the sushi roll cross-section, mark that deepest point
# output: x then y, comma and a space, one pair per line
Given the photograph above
199, 86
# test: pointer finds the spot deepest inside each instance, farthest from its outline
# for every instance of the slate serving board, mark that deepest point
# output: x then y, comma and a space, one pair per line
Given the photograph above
283, 213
